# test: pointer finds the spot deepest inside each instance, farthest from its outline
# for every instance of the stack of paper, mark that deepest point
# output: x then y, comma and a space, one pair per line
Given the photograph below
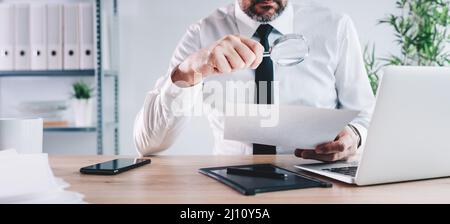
54, 113
28, 179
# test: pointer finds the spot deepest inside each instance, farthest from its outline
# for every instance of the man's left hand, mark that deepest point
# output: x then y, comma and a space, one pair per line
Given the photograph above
343, 147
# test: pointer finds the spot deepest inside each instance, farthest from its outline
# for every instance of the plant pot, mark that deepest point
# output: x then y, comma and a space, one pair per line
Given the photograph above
83, 110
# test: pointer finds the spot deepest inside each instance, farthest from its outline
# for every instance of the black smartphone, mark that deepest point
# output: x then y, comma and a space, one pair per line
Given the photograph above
114, 167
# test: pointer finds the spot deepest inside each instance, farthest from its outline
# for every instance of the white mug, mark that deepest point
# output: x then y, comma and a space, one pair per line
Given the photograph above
23, 135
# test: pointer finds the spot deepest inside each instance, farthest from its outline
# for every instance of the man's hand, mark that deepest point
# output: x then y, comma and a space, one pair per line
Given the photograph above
226, 55
343, 147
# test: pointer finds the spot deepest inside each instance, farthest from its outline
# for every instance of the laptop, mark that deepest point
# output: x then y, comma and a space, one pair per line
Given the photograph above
409, 135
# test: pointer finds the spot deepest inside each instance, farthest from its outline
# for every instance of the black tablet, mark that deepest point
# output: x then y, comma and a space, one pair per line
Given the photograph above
251, 185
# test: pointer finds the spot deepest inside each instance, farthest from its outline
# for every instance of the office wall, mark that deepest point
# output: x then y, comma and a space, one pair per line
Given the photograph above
151, 29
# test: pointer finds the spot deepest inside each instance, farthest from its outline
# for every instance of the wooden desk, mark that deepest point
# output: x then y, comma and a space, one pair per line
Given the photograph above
175, 179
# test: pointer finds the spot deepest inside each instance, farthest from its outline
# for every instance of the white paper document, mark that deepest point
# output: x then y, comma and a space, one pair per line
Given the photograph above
282, 125
28, 179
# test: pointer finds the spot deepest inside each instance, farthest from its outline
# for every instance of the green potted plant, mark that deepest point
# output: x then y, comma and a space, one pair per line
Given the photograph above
422, 32
372, 67
82, 104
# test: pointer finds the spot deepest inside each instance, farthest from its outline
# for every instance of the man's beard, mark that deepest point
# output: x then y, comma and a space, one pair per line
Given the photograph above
252, 12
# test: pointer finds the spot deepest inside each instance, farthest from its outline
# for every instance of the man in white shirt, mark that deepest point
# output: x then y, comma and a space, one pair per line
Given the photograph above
228, 46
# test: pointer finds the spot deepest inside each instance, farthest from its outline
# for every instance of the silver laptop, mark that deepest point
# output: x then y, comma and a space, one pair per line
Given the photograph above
409, 135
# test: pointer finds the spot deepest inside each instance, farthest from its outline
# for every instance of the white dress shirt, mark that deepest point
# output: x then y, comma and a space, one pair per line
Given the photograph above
333, 76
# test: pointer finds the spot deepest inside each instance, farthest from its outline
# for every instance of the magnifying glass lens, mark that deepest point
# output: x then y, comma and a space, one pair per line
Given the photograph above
289, 50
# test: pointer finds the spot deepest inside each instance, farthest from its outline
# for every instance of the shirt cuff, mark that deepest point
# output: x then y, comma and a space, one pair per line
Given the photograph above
362, 132
180, 100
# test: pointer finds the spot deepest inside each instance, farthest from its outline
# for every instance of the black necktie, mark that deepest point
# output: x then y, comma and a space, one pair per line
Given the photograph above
263, 79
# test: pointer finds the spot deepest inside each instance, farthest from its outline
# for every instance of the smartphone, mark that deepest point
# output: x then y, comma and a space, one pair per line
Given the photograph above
114, 167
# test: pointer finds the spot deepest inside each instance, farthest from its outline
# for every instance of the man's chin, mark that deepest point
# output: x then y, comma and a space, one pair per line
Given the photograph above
264, 11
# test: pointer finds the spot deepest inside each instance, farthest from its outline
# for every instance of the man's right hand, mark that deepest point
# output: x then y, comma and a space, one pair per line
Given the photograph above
226, 55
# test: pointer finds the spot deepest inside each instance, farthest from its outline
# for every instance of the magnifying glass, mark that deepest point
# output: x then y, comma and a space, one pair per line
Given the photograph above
289, 50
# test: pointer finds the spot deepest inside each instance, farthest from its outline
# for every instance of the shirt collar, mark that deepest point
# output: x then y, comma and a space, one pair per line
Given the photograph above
284, 23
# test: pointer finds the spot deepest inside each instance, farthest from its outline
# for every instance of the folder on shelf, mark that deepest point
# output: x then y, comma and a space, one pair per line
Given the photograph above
71, 37
6, 36
54, 37
38, 36
22, 36
86, 22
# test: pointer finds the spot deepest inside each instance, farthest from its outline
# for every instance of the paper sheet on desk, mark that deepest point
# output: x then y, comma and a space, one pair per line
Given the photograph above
28, 179
297, 126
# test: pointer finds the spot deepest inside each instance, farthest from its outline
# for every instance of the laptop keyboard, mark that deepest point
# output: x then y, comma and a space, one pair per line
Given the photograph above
349, 170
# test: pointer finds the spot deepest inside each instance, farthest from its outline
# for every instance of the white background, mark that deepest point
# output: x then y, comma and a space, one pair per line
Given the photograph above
149, 32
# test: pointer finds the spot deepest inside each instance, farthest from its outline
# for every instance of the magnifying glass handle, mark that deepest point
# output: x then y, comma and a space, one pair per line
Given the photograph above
266, 54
